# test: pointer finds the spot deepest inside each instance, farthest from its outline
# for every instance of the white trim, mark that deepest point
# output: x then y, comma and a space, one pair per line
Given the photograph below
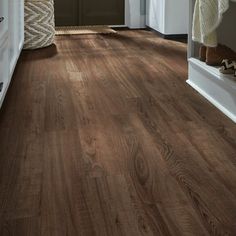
117, 26
213, 101
217, 88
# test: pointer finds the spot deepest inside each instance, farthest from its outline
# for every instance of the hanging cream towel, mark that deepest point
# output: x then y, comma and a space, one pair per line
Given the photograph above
207, 17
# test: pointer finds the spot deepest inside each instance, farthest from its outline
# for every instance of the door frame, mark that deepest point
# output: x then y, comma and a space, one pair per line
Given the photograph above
135, 18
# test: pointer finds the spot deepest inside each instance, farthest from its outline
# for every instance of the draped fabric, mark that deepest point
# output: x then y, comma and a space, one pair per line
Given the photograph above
207, 17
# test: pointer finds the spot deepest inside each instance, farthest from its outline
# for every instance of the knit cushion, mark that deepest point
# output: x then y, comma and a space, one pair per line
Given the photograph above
39, 23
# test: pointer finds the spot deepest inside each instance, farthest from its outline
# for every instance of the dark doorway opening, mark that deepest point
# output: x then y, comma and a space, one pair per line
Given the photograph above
89, 12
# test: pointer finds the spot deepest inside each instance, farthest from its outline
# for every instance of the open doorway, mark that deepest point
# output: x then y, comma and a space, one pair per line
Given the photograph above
89, 12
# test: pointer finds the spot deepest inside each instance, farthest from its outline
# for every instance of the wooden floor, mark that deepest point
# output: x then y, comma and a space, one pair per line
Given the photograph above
100, 135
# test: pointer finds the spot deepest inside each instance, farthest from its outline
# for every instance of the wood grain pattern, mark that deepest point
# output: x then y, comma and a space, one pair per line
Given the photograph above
100, 135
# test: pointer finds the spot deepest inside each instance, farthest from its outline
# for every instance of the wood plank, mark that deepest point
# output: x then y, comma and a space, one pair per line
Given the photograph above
100, 135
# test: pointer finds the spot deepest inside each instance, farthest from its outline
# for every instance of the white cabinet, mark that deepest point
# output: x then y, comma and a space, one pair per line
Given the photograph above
169, 17
3, 18
155, 14
11, 40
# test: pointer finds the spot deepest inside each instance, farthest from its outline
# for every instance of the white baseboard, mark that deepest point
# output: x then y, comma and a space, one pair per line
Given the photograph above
217, 88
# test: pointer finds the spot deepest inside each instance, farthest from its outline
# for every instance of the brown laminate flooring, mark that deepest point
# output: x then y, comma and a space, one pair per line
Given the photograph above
100, 135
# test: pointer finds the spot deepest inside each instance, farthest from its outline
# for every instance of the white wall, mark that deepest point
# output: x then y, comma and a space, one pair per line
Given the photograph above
168, 16
156, 15
135, 14
176, 16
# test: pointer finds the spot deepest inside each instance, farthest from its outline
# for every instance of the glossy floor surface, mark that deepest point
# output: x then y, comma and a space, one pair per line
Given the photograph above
100, 135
